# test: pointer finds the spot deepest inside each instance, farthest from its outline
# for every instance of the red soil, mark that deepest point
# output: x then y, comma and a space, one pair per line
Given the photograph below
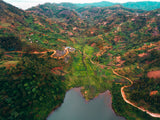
9, 56
57, 68
118, 60
93, 44
153, 93
142, 54
10, 65
154, 74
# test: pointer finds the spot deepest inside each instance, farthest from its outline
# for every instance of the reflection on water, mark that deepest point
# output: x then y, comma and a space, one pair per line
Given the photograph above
76, 108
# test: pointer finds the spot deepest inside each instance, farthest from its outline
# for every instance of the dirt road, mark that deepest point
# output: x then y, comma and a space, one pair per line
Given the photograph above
157, 115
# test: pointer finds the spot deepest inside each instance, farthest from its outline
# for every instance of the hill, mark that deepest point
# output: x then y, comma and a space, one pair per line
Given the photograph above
106, 18
50, 48
97, 4
84, 18
25, 86
30, 27
146, 5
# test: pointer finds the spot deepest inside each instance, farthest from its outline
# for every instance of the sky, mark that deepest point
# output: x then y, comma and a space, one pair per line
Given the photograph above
24, 4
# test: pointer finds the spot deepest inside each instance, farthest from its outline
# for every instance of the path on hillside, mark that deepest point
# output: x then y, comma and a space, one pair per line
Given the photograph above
157, 115
44, 52
133, 104
114, 72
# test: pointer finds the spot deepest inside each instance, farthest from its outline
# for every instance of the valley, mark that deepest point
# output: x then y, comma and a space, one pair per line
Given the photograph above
51, 48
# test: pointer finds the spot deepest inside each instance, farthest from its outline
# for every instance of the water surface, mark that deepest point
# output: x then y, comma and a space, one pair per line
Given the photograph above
76, 108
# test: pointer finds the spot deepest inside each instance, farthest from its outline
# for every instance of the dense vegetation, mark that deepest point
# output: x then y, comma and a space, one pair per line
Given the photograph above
10, 42
30, 87
33, 82
119, 105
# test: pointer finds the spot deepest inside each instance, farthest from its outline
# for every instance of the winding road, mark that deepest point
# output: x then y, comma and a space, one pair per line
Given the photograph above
157, 115
44, 52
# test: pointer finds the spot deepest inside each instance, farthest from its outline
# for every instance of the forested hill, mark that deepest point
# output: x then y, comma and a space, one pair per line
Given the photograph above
86, 19
146, 5
50, 48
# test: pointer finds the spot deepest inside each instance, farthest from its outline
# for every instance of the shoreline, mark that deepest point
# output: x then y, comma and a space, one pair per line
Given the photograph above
78, 90
156, 115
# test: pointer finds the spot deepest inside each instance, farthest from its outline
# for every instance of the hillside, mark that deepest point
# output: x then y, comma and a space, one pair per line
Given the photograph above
97, 4
51, 48
30, 27
146, 5
10, 16
53, 10
139, 39
24, 78
85, 19
59, 13
106, 18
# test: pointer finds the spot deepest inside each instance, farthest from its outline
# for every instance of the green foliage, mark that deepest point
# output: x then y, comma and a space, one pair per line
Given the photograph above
124, 109
145, 85
30, 90
10, 42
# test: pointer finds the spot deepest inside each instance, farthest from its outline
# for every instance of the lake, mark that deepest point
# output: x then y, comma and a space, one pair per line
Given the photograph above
75, 107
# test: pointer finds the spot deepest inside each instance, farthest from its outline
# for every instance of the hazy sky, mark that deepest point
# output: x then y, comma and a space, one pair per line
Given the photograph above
24, 4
